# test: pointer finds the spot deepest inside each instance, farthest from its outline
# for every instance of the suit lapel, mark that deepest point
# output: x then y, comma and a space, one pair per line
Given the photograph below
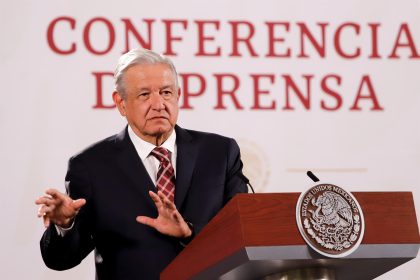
186, 156
132, 166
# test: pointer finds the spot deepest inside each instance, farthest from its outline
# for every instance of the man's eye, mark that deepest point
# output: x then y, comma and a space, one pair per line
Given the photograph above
166, 93
143, 95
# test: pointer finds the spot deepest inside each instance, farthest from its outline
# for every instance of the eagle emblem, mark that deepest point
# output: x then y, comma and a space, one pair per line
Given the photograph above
335, 210
330, 220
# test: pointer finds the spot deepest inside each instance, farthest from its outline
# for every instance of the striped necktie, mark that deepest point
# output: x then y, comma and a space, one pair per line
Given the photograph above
165, 180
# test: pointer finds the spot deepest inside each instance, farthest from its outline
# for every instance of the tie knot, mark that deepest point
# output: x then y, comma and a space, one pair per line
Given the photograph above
161, 154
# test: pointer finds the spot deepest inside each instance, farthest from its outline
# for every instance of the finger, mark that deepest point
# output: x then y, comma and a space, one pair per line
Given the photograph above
41, 211
45, 199
146, 221
156, 199
56, 194
161, 195
45, 210
46, 221
163, 199
168, 204
51, 196
78, 203
178, 217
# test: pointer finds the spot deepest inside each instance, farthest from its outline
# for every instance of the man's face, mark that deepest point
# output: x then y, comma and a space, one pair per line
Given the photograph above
151, 102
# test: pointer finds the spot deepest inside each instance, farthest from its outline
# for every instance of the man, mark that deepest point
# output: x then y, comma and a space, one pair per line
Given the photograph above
123, 200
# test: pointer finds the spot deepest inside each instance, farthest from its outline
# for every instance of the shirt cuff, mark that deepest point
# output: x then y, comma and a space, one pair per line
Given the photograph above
185, 241
63, 231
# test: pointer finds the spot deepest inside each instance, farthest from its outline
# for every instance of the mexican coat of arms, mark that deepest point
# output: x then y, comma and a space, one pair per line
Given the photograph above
330, 220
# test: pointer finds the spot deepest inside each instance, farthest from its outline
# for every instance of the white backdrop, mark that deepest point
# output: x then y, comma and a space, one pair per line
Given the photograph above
48, 113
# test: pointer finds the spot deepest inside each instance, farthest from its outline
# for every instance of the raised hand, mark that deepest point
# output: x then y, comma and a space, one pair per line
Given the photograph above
169, 220
58, 208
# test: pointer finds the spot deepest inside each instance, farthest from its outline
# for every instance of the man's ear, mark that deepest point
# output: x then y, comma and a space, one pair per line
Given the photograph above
179, 94
119, 102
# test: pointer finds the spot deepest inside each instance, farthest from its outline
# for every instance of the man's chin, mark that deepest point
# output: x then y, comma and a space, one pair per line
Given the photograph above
161, 131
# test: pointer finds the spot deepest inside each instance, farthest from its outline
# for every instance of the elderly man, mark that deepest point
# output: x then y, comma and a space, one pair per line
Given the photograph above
138, 197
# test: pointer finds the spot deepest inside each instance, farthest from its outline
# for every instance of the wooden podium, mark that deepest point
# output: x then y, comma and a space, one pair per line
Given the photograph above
255, 235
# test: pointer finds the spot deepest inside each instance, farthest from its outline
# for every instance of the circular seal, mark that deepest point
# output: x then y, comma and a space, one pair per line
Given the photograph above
330, 220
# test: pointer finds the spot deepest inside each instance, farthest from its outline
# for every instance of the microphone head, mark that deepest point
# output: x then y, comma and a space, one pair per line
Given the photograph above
312, 176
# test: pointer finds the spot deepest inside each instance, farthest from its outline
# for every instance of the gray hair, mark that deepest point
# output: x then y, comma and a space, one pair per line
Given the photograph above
139, 56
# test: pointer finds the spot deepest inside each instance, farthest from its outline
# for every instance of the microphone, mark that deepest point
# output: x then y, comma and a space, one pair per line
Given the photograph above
245, 179
312, 176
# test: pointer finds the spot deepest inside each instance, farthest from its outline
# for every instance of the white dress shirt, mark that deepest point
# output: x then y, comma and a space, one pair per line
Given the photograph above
144, 149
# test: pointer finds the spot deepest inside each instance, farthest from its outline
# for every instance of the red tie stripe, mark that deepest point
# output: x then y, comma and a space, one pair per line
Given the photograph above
165, 181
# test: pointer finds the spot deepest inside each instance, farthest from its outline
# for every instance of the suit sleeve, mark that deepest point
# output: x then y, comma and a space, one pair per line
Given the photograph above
62, 253
234, 180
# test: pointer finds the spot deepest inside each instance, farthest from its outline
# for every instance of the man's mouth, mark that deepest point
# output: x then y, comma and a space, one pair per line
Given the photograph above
158, 117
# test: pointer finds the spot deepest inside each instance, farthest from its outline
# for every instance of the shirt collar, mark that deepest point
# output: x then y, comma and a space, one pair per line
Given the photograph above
144, 148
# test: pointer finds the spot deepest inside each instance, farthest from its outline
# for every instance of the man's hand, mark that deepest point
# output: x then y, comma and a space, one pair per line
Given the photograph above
58, 208
169, 221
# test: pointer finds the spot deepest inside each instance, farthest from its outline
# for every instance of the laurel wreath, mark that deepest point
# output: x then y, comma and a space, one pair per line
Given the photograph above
343, 240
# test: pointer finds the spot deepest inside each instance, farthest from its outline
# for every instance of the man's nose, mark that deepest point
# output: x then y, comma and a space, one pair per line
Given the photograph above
156, 102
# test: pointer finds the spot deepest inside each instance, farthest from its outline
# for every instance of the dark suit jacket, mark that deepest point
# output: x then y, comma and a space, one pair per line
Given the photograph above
112, 178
